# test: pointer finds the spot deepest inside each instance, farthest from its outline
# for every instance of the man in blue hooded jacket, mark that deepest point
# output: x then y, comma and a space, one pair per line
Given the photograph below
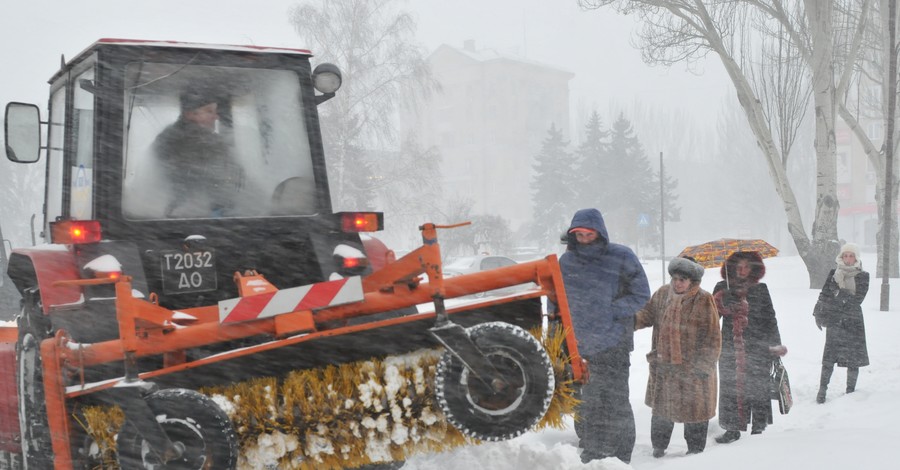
605, 285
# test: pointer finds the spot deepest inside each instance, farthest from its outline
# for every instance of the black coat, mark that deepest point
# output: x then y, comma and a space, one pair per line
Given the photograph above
840, 312
760, 333
200, 168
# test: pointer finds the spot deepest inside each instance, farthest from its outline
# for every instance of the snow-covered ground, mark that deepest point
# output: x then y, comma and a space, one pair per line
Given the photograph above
847, 432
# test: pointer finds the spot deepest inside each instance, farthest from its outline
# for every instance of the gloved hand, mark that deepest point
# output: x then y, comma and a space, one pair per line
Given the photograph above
819, 323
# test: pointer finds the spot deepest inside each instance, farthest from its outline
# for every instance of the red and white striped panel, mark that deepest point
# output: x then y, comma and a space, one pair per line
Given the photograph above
313, 296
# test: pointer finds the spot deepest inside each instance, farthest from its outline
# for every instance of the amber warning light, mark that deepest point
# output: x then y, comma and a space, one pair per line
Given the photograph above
68, 232
362, 221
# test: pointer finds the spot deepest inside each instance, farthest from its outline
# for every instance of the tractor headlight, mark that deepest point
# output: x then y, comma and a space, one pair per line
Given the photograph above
327, 78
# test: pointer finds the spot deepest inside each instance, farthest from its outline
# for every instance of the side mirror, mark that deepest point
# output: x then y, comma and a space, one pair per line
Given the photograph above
22, 132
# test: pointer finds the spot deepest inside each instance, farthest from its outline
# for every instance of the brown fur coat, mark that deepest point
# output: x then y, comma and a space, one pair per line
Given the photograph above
686, 392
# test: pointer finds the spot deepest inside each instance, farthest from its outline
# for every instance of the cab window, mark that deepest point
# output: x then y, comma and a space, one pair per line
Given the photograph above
55, 144
207, 142
81, 172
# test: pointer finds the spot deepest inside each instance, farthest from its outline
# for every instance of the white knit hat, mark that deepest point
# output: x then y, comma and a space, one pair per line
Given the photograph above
849, 248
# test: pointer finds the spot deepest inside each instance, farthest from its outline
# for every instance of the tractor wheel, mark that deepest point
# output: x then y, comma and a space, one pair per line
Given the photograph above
194, 423
37, 451
480, 412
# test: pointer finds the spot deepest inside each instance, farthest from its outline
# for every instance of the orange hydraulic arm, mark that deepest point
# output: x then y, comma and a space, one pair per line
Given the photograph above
147, 329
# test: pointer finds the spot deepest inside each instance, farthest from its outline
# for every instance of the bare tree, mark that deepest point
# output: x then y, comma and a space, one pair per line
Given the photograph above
383, 68
406, 184
836, 40
862, 102
686, 30
781, 80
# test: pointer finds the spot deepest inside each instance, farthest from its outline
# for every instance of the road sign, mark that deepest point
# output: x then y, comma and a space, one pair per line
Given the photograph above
643, 220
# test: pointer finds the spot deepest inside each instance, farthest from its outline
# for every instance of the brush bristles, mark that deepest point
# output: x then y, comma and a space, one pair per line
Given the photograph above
342, 416
101, 423
564, 396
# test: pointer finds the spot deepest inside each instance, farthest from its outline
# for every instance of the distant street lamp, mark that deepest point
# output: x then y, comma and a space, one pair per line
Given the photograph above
662, 219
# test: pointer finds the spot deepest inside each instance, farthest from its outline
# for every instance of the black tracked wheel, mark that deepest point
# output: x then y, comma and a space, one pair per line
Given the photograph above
482, 413
194, 423
37, 451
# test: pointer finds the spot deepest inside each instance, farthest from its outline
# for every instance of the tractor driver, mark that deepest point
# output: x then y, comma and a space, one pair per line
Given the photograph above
197, 161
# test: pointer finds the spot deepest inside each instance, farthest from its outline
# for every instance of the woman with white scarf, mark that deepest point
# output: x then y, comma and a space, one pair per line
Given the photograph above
839, 310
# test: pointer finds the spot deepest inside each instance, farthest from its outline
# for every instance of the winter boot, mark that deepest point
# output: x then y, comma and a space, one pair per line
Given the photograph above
823, 382
852, 375
728, 437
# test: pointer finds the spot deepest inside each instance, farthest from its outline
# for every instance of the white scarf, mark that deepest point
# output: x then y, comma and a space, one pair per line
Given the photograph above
845, 276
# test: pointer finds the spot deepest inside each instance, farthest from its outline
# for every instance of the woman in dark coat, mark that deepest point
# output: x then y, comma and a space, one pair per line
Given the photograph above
750, 342
839, 310
686, 342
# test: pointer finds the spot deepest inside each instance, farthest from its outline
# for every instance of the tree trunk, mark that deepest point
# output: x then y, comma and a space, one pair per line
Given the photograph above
819, 252
824, 229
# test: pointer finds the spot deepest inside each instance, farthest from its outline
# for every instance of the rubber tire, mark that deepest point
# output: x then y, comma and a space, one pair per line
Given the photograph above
190, 418
517, 354
37, 449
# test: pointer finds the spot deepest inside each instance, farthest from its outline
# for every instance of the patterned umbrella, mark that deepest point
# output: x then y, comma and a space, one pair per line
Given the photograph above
713, 254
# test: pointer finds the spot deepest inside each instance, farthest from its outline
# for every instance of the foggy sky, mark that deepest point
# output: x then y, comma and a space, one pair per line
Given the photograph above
595, 45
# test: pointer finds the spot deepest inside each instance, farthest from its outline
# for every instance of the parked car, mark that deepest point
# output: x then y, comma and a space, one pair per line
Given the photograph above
483, 262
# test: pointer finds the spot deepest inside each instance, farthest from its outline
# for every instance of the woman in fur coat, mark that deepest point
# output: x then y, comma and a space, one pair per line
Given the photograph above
685, 347
750, 342
839, 310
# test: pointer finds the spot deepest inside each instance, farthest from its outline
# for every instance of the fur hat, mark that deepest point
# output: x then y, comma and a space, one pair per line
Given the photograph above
849, 248
687, 268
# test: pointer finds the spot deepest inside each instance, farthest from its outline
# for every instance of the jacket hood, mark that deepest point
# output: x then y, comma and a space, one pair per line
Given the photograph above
588, 218
757, 268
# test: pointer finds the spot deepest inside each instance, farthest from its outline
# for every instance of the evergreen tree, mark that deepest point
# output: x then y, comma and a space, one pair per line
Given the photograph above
634, 186
552, 190
594, 166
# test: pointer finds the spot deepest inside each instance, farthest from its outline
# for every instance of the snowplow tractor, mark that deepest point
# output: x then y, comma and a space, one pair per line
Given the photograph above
195, 302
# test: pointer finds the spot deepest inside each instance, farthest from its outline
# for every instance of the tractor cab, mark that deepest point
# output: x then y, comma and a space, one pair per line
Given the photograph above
180, 164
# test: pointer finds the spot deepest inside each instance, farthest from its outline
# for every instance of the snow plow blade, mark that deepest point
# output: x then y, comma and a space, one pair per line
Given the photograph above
274, 375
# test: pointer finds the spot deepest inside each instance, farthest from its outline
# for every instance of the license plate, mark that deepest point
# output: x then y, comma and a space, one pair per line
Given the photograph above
184, 271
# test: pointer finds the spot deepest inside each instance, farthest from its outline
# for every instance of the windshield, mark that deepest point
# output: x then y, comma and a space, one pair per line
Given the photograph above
204, 141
